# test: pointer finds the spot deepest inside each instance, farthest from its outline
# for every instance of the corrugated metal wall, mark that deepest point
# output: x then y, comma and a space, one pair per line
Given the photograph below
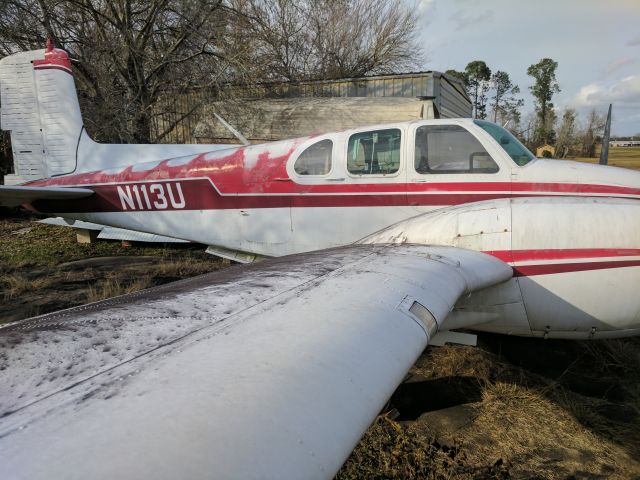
191, 112
276, 119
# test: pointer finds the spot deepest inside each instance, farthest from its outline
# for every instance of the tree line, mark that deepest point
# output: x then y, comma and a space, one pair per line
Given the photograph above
494, 96
127, 54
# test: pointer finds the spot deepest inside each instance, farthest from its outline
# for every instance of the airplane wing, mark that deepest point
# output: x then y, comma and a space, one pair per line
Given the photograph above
12, 196
272, 370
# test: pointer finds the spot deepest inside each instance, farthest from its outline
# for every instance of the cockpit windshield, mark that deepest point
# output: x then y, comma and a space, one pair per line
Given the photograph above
518, 152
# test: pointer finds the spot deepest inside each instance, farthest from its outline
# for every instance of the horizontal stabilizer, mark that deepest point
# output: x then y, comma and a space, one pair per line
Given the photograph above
12, 196
111, 233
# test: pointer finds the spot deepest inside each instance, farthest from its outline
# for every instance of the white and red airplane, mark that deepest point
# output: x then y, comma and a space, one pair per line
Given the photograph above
403, 232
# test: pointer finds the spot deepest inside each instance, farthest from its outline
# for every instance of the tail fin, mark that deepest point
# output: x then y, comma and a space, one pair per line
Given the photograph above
40, 108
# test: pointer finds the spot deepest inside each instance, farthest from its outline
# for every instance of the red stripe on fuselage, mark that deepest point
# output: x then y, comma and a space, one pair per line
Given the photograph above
200, 194
562, 254
553, 268
522, 256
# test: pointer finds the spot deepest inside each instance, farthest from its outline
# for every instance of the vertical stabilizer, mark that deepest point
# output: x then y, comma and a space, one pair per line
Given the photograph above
39, 106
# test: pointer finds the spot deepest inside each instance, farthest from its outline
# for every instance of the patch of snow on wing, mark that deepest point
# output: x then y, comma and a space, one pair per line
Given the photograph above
49, 354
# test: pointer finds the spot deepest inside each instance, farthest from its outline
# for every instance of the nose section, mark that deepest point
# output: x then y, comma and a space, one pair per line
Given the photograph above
620, 181
599, 180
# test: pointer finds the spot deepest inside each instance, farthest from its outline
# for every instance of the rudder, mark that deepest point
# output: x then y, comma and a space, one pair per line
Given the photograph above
40, 108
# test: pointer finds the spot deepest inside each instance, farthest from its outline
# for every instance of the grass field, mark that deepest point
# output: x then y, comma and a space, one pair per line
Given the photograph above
43, 268
627, 157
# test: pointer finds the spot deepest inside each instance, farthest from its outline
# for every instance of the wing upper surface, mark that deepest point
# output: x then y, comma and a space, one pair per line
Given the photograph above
12, 196
266, 371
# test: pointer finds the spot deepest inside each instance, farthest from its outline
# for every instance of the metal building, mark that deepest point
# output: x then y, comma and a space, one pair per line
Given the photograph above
273, 111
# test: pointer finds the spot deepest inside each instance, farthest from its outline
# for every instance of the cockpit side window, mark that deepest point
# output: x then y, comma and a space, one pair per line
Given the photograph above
374, 152
316, 159
518, 152
450, 149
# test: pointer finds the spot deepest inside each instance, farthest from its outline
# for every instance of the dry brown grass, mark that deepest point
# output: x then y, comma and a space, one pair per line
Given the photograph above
15, 284
115, 285
131, 280
44, 269
393, 450
627, 157
525, 424
538, 435
180, 268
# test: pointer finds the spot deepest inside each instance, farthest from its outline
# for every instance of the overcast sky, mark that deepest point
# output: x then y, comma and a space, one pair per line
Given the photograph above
596, 44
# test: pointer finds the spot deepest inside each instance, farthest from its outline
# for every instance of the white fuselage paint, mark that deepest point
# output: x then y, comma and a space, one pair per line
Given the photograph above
592, 296
599, 235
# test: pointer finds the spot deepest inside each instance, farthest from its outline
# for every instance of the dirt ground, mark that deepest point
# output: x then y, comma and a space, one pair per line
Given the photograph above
509, 408
43, 268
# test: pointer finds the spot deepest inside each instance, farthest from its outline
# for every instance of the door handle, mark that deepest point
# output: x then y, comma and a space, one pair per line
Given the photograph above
336, 179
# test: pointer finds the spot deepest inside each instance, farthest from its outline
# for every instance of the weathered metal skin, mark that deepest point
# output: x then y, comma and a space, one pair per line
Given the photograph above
268, 371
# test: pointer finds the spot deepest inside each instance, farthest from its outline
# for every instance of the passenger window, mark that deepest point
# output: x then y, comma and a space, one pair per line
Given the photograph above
315, 160
376, 152
450, 149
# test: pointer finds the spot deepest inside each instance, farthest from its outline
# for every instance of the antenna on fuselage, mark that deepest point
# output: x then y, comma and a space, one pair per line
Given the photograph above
235, 132
604, 150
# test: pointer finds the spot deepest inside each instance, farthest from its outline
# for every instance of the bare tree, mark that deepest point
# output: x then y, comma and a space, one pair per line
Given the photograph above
594, 125
125, 52
364, 37
305, 39
566, 133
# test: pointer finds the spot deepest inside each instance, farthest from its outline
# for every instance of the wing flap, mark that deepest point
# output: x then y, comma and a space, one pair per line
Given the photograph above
268, 371
12, 196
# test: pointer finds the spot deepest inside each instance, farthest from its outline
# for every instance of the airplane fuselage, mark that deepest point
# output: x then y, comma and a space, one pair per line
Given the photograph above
574, 249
